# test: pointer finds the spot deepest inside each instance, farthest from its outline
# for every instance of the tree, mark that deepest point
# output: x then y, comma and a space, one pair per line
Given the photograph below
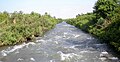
105, 8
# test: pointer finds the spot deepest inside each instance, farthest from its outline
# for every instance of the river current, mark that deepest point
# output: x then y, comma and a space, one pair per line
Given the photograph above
64, 43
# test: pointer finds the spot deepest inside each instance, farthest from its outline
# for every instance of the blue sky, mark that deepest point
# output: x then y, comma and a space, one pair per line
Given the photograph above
58, 8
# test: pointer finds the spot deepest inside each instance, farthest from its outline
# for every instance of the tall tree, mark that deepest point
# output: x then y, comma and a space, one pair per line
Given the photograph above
105, 8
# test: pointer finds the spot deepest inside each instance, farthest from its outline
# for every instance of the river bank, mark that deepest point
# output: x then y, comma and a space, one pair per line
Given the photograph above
18, 27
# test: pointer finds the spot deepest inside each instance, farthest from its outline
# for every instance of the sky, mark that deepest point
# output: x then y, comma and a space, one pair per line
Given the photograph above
57, 8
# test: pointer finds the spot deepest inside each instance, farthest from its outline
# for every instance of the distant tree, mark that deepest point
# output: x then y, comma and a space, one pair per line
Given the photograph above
32, 13
20, 12
5, 12
46, 13
35, 14
77, 15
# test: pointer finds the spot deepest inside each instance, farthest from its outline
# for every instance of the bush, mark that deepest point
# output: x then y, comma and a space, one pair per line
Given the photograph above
18, 27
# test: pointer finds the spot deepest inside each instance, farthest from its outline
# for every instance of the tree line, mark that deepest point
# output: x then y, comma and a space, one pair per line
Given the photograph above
19, 27
103, 22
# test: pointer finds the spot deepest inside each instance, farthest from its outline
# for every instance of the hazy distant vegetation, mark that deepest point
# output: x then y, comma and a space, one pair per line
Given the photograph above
104, 22
19, 27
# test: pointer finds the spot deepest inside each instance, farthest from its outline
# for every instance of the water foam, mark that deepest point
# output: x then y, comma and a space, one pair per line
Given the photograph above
16, 47
32, 59
52, 61
20, 59
67, 56
41, 40
56, 42
83, 51
65, 33
77, 36
58, 37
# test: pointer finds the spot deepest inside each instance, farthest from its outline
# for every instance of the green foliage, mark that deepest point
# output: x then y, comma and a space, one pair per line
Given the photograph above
60, 20
84, 21
104, 22
18, 27
105, 8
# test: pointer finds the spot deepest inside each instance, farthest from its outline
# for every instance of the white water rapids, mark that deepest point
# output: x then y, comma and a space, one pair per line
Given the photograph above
64, 43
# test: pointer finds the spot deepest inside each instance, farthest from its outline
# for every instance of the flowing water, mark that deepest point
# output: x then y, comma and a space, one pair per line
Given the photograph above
64, 43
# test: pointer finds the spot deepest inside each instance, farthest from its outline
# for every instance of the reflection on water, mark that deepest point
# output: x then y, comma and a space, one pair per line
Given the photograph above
64, 43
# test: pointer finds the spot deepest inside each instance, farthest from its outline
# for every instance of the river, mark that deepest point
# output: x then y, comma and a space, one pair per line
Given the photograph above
64, 43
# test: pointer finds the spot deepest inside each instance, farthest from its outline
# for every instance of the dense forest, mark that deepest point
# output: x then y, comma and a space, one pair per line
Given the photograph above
103, 22
18, 27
